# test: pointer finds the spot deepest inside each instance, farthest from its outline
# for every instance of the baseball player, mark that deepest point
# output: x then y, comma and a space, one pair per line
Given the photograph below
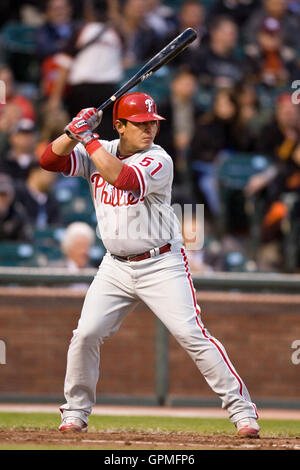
129, 178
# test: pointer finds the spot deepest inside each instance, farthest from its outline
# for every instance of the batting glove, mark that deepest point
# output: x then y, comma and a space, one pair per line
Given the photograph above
91, 116
78, 129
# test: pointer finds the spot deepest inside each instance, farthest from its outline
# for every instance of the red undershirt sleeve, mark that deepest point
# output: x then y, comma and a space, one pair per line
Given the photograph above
50, 161
127, 179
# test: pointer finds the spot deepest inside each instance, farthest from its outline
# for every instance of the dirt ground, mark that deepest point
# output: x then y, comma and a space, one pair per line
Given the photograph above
140, 440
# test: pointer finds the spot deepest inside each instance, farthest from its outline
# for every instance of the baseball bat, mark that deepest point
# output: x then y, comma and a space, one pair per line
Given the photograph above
168, 53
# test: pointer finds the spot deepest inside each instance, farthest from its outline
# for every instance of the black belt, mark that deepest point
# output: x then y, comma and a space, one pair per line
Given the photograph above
148, 254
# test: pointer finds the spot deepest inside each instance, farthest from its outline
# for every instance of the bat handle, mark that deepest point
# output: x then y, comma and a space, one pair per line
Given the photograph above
107, 103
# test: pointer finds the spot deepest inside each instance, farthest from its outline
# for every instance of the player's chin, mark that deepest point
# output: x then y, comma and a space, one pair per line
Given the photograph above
146, 143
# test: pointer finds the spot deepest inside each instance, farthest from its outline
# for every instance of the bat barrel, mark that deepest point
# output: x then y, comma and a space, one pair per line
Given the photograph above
168, 53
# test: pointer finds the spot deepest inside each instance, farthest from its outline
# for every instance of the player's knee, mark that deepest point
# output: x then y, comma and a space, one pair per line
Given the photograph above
187, 337
85, 337
93, 335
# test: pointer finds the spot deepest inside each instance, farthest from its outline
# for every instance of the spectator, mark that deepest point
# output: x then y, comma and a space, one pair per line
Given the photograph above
277, 9
9, 11
13, 10
251, 116
76, 244
140, 41
14, 225
217, 65
53, 37
92, 69
55, 33
269, 62
191, 15
212, 135
239, 10
181, 111
294, 7
278, 140
160, 17
14, 108
21, 152
24, 107
8, 120
52, 126
36, 197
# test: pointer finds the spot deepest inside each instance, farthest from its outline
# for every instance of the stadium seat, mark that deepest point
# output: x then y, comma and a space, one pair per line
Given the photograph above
234, 173
234, 262
47, 244
18, 43
290, 229
17, 254
236, 169
76, 206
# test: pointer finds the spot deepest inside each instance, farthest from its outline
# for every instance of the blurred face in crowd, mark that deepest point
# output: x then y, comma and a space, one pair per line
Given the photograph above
9, 116
224, 107
23, 142
247, 96
287, 113
135, 10
184, 86
192, 15
78, 251
225, 35
59, 11
6, 76
152, 4
275, 8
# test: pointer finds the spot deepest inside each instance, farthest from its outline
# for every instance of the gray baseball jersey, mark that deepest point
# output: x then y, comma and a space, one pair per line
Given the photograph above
132, 222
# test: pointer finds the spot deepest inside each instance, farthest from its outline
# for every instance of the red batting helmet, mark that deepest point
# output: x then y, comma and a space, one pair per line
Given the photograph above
136, 107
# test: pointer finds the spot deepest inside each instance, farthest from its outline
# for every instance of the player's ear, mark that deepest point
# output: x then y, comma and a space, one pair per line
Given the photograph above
120, 126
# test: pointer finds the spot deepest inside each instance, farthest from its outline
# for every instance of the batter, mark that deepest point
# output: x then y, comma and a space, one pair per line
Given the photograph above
130, 181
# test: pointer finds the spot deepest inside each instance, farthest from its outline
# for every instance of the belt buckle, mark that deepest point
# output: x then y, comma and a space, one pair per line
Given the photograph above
154, 252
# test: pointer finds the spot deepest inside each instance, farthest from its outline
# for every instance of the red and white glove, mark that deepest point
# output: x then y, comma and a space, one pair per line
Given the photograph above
80, 128
91, 116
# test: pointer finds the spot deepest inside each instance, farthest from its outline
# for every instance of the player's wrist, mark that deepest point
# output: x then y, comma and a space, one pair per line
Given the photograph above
92, 145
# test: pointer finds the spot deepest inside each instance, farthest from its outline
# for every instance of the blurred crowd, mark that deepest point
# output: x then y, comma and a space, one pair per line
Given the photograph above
231, 103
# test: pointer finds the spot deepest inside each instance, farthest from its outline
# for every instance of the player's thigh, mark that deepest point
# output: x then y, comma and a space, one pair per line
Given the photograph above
107, 301
171, 296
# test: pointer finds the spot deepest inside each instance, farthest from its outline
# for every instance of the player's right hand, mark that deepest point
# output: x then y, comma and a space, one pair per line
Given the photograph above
91, 116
